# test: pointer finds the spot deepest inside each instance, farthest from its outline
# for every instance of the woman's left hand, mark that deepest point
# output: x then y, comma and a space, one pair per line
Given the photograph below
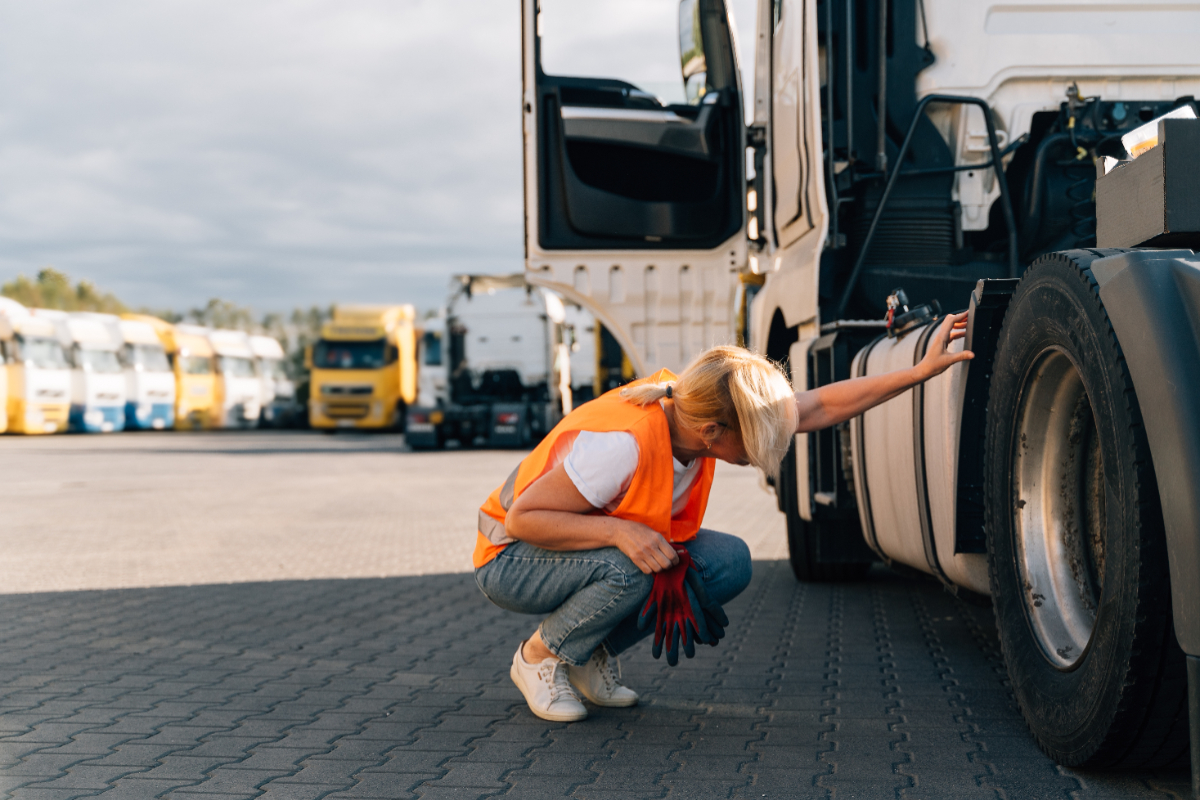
937, 357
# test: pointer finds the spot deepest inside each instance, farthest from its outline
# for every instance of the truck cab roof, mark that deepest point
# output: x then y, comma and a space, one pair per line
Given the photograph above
364, 323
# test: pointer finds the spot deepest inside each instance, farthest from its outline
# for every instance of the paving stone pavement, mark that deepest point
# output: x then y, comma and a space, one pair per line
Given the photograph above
397, 687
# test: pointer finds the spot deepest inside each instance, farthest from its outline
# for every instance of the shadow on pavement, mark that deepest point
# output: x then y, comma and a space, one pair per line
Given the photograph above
398, 687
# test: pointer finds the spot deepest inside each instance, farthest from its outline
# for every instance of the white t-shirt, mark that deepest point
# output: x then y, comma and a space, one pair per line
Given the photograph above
601, 465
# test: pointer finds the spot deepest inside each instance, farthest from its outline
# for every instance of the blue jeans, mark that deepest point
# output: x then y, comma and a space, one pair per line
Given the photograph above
593, 597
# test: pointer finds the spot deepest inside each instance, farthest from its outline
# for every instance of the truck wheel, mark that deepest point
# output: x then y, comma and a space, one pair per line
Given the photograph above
1077, 552
804, 537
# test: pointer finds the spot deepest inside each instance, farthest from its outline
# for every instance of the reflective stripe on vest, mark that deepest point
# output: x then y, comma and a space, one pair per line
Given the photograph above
491, 528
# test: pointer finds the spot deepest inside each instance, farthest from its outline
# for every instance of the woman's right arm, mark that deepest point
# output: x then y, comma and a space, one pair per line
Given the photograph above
552, 514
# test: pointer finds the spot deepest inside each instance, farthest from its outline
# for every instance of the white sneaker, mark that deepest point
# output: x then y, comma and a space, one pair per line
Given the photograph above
546, 688
597, 681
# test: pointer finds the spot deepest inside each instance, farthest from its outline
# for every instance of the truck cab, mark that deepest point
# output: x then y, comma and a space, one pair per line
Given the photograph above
238, 389
97, 379
37, 373
6, 345
191, 358
495, 366
278, 395
149, 380
894, 159
364, 368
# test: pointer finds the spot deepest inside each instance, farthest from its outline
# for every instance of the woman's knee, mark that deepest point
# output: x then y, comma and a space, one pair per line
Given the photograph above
725, 563
740, 566
624, 575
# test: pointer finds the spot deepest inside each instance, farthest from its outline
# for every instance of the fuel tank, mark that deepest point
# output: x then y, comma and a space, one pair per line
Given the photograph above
905, 460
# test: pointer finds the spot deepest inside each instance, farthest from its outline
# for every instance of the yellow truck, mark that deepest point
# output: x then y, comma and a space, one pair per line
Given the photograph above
6, 346
38, 377
363, 368
191, 357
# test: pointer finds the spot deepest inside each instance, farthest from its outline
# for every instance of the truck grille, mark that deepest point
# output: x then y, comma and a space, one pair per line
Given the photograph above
345, 390
347, 410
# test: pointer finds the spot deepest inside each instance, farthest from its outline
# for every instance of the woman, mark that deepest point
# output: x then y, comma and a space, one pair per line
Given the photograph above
608, 509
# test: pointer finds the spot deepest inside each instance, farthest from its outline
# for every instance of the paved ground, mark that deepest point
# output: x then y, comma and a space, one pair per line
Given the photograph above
293, 670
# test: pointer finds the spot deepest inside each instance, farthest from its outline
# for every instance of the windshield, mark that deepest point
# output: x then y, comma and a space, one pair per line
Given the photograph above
146, 358
97, 360
433, 348
36, 351
195, 365
349, 355
272, 368
236, 367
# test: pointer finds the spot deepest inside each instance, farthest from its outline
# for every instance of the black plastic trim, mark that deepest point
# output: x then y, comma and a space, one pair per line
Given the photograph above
926, 515
866, 513
989, 301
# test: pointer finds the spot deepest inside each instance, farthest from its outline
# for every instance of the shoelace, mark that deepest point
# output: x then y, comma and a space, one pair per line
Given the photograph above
554, 675
604, 667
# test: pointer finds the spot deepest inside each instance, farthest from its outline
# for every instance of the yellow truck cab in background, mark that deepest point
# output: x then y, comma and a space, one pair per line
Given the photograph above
364, 368
38, 377
6, 339
192, 361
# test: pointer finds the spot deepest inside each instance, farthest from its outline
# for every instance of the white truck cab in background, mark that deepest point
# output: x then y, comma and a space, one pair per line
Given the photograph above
493, 365
239, 390
278, 396
149, 379
93, 346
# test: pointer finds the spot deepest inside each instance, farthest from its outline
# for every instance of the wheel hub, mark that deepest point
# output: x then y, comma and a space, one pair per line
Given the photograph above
1059, 508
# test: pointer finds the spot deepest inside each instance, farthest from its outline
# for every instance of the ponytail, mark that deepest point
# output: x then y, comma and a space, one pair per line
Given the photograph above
738, 389
643, 394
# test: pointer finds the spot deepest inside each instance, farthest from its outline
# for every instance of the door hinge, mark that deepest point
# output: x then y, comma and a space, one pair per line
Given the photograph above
756, 136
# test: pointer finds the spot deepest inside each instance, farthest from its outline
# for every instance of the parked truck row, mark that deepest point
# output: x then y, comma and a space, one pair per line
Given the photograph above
100, 373
497, 365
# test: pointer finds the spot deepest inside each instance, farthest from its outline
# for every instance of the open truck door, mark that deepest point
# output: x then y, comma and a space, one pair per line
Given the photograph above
635, 208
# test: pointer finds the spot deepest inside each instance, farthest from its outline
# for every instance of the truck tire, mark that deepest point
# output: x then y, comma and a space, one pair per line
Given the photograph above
1077, 551
804, 536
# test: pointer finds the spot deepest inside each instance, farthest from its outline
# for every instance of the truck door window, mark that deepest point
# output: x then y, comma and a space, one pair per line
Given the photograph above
631, 40
432, 344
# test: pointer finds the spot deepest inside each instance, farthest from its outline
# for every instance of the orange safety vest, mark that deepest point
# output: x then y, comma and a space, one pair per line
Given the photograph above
648, 499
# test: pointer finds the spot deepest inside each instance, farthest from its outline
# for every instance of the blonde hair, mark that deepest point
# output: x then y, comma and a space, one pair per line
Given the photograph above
738, 389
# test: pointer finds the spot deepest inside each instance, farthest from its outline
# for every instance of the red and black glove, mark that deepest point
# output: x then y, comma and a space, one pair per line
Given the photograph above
675, 592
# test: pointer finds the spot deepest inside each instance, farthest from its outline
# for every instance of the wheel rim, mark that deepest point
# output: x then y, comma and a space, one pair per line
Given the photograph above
1059, 514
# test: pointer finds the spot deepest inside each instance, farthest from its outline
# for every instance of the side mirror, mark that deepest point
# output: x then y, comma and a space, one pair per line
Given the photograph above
691, 52
308, 361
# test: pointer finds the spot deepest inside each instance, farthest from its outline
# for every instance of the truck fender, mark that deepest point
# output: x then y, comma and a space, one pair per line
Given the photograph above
1153, 301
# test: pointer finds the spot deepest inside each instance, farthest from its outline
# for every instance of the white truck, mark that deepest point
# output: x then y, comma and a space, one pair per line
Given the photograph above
905, 153
493, 366
149, 380
93, 346
39, 377
239, 391
278, 397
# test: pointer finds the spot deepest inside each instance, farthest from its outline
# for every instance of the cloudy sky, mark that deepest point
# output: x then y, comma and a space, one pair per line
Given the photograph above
284, 153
